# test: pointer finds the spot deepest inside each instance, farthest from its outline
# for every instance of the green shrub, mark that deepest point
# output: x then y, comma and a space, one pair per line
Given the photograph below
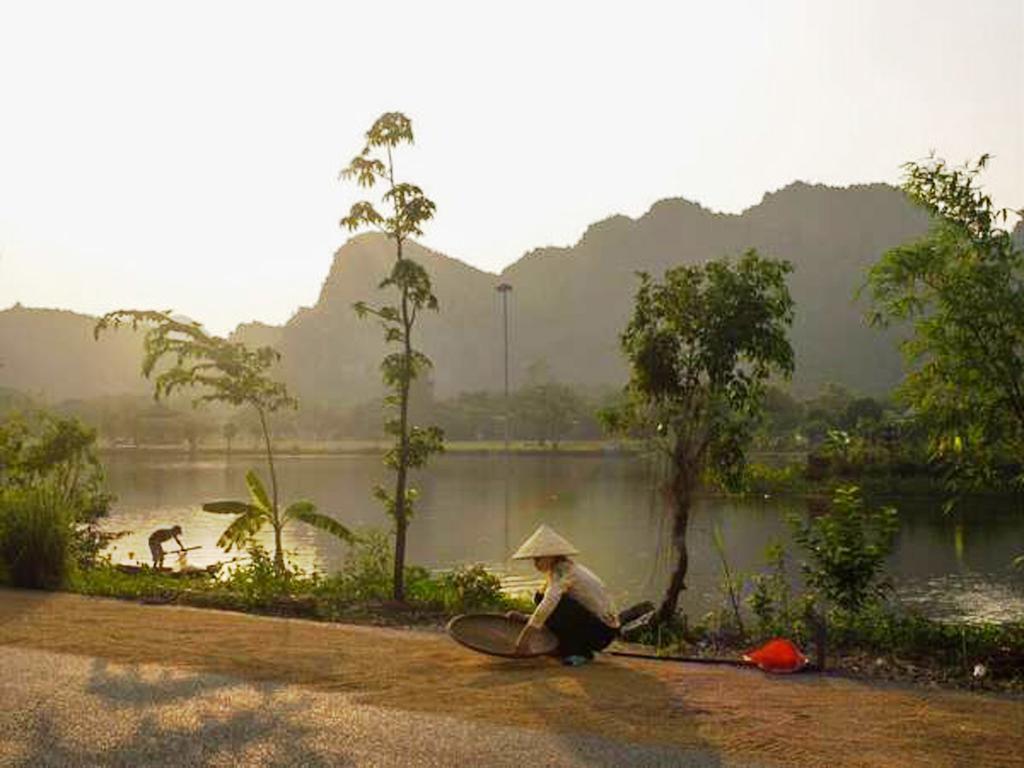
42, 450
256, 582
36, 533
847, 547
771, 599
104, 580
467, 588
473, 588
368, 572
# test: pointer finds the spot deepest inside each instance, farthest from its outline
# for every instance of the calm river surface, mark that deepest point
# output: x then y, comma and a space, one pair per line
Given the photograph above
479, 508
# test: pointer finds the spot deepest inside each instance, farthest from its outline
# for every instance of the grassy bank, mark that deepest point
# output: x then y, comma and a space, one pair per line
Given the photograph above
359, 592
883, 643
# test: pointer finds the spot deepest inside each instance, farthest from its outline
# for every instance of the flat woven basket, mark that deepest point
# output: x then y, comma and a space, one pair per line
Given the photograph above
495, 634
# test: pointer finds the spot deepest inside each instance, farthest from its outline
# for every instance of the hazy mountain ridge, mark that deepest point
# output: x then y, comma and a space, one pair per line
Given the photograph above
569, 304
51, 354
831, 236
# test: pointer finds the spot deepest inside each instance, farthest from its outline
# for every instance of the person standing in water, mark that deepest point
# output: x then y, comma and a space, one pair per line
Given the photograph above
575, 605
156, 542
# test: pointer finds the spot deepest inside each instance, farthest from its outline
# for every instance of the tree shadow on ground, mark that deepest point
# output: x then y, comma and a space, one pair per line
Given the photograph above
265, 730
130, 688
605, 711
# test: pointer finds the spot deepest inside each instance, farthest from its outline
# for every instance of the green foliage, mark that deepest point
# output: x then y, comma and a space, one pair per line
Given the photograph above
369, 568
961, 288
408, 208
847, 547
261, 511
471, 588
222, 370
104, 580
368, 571
37, 528
548, 409
701, 346
885, 630
762, 480
257, 580
771, 599
43, 451
731, 582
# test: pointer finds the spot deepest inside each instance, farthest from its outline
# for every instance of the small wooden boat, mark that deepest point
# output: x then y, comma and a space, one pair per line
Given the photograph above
188, 572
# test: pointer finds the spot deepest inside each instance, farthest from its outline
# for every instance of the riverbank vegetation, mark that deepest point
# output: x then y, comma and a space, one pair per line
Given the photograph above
832, 596
360, 591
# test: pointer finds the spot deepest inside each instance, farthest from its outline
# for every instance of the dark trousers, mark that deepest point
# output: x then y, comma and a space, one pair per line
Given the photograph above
579, 632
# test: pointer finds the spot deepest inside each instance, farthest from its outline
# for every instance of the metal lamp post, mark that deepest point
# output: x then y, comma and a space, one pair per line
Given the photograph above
504, 289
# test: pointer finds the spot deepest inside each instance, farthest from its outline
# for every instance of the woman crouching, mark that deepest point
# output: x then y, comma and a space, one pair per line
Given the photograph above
575, 605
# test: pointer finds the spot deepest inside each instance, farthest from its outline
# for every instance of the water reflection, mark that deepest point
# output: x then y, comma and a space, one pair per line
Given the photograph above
478, 508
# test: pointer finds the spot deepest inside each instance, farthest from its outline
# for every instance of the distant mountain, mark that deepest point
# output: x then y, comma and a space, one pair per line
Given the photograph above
51, 355
566, 310
568, 305
256, 334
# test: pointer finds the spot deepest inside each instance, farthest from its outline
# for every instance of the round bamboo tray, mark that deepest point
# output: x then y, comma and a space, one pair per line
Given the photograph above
495, 634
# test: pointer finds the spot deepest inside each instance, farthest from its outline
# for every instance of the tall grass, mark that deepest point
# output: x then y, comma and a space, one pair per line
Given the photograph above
36, 532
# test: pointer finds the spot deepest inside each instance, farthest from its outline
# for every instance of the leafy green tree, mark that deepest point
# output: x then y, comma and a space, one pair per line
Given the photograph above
406, 209
701, 347
547, 411
961, 288
226, 372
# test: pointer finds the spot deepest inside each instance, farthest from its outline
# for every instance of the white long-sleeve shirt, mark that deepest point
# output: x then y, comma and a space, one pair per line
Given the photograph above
580, 583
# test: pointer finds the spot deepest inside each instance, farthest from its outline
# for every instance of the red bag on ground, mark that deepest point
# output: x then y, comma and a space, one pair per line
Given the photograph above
778, 655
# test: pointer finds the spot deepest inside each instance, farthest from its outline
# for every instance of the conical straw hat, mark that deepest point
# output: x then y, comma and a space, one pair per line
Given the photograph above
544, 543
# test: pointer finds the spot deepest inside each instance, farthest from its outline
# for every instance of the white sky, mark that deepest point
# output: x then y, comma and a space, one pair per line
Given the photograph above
184, 155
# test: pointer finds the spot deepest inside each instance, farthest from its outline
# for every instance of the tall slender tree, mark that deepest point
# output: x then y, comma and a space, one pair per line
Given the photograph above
404, 210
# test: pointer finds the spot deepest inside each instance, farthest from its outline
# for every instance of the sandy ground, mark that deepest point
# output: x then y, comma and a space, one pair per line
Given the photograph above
735, 715
62, 710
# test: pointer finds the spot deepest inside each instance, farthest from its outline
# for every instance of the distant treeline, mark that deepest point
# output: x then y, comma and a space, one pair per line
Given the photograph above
544, 411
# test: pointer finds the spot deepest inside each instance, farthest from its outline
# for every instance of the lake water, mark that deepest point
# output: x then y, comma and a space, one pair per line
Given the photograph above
477, 509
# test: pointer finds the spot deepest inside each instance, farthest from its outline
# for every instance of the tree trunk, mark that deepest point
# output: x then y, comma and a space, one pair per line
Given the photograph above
278, 551
682, 494
401, 513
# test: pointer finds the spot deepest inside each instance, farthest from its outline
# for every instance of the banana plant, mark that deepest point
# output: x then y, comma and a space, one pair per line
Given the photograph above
259, 511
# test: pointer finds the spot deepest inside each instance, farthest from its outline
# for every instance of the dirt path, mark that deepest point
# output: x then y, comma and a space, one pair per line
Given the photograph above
738, 714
